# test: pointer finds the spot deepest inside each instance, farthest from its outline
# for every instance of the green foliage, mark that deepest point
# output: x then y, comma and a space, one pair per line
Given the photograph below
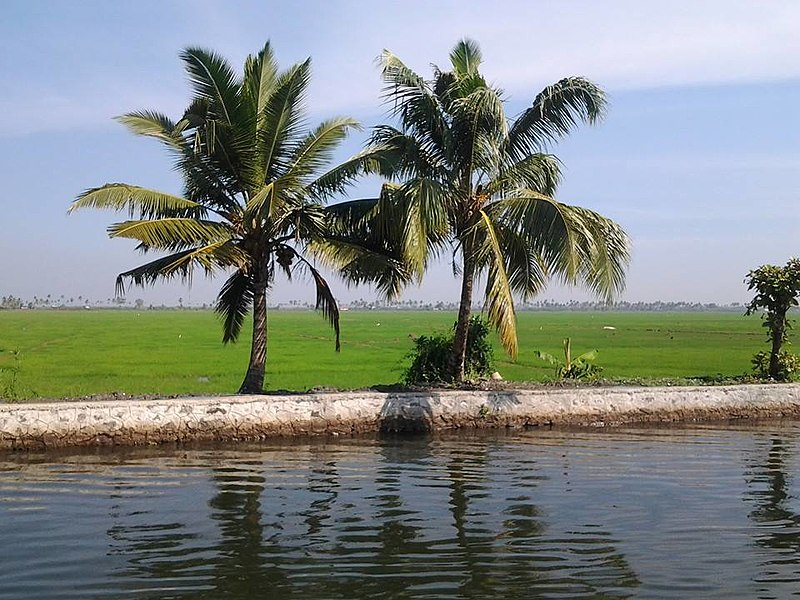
788, 366
255, 182
777, 290
430, 358
580, 368
75, 353
9, 376
479, 350
466, 176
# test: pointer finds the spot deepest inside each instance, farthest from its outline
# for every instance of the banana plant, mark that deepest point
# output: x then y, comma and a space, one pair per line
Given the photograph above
581, 367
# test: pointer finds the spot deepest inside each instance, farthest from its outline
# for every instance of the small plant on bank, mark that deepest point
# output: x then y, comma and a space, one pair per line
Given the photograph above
788, 366
580, 368
431, 353
9, 374
777, 291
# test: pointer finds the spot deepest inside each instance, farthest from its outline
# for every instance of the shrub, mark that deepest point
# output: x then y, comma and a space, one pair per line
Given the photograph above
8, 377
777, 291
581, 367
788, 366
431, 356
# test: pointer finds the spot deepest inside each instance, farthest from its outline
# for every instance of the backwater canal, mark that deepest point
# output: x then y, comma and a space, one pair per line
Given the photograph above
678, 512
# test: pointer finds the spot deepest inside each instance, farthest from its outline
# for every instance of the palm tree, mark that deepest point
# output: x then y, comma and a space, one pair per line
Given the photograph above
461, 174
253, 190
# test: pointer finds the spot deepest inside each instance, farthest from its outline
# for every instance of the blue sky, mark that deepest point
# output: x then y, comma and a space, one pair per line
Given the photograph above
698, 158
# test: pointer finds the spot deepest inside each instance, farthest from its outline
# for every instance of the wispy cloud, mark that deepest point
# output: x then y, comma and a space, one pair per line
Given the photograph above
623, 44
92, 108
633, 44
687, 162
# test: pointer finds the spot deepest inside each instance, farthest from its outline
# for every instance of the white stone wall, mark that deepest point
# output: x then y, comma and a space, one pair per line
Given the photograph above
251, 417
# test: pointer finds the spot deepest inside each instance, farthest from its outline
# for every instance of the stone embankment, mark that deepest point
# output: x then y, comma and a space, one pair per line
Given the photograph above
254, 417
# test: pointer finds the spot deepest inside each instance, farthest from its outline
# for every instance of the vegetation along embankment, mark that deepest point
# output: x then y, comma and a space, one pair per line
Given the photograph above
261, 195
94, 356
74, 354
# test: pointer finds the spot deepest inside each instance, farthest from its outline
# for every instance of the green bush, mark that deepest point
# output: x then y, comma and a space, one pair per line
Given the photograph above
581, 367
8, 377
788, 366
777, 291
431, 356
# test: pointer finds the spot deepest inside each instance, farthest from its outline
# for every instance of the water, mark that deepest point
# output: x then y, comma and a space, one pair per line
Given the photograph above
701, 512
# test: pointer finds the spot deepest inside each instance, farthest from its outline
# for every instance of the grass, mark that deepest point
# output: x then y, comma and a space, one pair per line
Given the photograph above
77, 353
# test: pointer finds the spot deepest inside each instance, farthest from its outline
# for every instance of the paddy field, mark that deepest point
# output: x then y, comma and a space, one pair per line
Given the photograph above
72, 353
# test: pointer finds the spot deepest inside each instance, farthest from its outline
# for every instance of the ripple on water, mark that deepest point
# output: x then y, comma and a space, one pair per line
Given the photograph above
645, 512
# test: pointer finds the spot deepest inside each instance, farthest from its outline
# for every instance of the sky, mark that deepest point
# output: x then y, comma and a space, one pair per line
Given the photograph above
698, 158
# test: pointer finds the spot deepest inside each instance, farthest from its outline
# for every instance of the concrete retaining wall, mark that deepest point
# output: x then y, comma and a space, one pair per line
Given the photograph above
253, 417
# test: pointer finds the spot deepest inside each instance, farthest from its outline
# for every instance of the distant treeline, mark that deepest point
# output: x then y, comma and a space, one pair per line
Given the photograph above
549, 305
12, 302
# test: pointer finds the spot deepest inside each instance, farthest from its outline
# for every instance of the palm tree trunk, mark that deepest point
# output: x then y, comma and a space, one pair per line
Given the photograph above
458, 356
254, 378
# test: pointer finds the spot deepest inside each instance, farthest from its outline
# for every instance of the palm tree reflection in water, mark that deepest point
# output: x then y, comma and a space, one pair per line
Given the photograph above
404, 518
520, 558
249, 556
778, 520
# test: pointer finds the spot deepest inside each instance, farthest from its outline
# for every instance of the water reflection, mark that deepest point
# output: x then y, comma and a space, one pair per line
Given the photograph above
249, 557
512, 551
323, 484
772, 500
508, 516
776, 511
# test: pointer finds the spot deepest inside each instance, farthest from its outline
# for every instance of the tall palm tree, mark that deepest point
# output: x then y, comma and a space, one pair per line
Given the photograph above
253, 191
461, 173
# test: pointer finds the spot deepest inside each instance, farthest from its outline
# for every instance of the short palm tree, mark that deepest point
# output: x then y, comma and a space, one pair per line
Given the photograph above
462, 174
254, 181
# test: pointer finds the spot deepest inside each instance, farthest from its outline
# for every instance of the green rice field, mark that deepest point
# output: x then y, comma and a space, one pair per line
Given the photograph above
77, 353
